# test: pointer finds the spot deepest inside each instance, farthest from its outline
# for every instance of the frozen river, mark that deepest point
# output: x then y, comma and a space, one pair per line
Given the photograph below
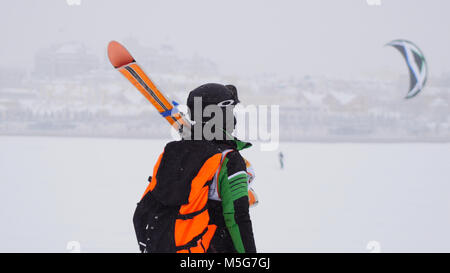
328, 198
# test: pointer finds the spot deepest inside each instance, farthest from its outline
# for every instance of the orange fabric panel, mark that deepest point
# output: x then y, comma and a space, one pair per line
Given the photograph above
186, 230
152, 183
196, 204
198, 248
252, 198
203, 243
183, 251
205, 174
208, 236
247, 164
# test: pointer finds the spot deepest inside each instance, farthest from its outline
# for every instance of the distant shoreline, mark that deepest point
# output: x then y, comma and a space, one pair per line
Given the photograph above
300, 140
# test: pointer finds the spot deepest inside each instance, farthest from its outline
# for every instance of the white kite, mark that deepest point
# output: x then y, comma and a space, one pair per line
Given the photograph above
417, 65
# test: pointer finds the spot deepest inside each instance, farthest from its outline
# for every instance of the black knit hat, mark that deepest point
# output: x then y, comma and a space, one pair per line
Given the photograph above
213, 94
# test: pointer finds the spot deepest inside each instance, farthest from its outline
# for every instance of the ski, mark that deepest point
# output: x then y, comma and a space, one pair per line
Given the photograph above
124, 62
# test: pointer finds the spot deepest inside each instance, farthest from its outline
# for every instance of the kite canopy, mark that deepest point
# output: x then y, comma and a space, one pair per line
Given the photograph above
417, 65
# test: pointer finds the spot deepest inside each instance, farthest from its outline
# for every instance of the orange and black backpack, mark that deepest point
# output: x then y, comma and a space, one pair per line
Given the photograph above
172, 215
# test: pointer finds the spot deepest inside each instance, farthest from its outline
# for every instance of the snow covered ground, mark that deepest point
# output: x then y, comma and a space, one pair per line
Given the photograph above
329, 198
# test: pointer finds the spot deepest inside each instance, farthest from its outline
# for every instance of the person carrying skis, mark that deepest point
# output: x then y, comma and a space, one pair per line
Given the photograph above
198, 197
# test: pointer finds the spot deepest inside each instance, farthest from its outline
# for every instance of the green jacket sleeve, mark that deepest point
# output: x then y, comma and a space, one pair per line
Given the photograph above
233, 190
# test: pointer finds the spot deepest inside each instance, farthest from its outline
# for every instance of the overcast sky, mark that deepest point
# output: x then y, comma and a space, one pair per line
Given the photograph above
319, 37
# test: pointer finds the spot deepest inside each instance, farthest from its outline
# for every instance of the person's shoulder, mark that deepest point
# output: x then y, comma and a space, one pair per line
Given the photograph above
235, 162
235, 155
189, 151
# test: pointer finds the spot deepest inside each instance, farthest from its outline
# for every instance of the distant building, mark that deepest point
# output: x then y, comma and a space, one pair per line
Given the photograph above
11, 77
164, 59
64, 60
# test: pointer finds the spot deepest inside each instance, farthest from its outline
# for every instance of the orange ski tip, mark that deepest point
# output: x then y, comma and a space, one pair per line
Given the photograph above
118, 55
